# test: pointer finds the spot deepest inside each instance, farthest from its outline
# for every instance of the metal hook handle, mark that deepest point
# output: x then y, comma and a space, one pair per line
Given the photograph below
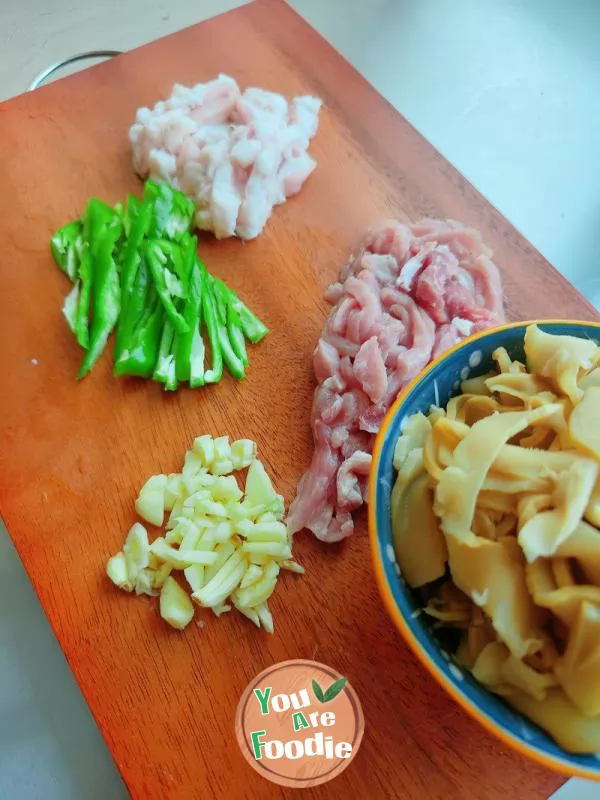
41, 77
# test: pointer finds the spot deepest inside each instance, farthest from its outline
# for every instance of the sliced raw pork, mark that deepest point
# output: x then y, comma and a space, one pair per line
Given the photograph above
412, 292
235, 154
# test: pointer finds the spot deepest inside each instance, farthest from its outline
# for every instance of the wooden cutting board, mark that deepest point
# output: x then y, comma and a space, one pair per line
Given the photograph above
75, 454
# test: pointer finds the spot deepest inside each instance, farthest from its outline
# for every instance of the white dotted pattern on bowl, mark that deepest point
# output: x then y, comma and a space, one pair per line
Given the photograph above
475, 358
389, 551
464, 373
455, 672
455, 386
397, 568
436, 393
416, 613
445, 655
525, 733
385, 484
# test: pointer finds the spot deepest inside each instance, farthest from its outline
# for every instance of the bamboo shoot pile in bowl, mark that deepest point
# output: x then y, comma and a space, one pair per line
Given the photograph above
484, 519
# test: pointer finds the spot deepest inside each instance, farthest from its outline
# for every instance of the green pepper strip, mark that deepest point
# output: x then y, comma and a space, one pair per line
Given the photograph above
209, 314
231, 318
141, 354
254, 329
132, 210
70, 306
197, 357
64, 250
97, 216
133, 305
107, 296
189, 347
136, 310
173, 211
179, 259
182, 216
85, 296
160, 197
165, 364
137, 220
233, 361
236, 335
157, 262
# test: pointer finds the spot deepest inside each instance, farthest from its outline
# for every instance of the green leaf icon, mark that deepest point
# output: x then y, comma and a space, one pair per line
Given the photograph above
318, 692
334, 690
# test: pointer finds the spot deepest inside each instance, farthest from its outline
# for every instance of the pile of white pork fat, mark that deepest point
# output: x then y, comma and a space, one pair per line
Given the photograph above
235, 154
411, 293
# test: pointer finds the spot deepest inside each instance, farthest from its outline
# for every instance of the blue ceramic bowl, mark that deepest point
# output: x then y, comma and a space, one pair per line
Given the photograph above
435, 386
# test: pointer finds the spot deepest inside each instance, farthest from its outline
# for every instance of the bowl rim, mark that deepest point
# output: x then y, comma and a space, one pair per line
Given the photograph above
553, 763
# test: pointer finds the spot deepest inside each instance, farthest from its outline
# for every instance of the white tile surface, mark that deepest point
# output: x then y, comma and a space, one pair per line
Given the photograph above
508, 91
576, 789
32, 36
49, 745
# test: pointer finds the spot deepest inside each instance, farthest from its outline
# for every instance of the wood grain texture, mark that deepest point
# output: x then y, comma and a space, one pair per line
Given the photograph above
75, 454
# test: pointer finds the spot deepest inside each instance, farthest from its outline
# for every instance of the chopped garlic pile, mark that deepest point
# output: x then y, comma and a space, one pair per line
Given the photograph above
229, 544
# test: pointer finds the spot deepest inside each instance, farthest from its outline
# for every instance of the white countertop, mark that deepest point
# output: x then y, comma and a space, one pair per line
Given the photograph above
508, 91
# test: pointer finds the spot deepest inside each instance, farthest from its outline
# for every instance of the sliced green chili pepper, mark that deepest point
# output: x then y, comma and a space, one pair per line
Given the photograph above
140, 356
173, 211
167, 284
231, 318
137, 222
133, 306
97, 217
159, 196
132, 210
70, 306
85, 296
64, 250
137, 267
165, 364
230, 356
133, 286
189, 246
107, 295
209, 314
120, 212
220, 303
197, 355
236, 335
254, 329
234, 364
189, 347
178, 269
